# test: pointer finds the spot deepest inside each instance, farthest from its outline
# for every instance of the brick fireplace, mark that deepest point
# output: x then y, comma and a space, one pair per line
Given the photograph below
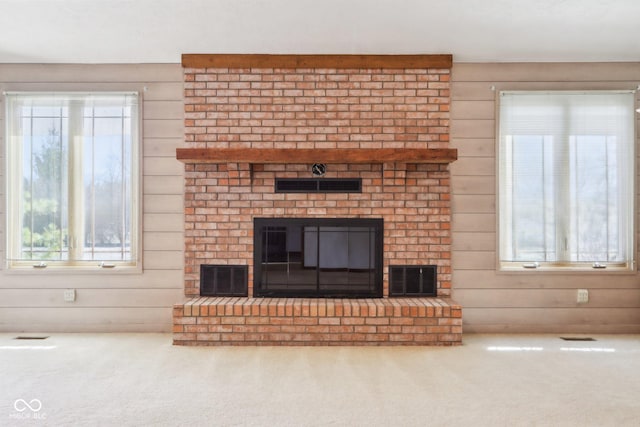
251, 120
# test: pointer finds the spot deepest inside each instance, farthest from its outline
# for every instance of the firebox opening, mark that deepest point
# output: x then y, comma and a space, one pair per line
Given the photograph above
318, 257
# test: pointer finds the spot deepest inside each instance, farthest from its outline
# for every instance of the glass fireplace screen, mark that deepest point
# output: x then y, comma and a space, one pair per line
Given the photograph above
311, 257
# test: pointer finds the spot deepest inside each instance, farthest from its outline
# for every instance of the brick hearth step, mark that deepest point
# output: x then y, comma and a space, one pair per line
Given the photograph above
305, 321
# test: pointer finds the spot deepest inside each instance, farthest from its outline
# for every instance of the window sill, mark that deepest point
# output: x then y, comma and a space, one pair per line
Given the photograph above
542, 268
95, 269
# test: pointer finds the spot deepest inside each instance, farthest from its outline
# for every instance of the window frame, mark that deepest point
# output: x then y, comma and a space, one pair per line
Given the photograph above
569, 267
132, 266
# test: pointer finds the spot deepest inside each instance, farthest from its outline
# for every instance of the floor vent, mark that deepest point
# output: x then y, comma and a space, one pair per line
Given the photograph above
30, 338
318, 185
577, 338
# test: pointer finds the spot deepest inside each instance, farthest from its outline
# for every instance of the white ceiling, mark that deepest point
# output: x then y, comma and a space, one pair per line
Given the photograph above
159, 31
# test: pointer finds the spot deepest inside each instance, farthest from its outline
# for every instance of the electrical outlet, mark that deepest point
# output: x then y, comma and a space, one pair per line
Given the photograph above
583, 296
69, 295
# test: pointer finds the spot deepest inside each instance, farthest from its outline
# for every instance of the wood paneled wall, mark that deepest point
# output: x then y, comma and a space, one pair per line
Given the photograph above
527, 301
492, 301
110, 302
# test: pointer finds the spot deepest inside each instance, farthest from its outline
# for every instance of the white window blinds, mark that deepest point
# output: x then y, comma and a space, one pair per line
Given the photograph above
566, 173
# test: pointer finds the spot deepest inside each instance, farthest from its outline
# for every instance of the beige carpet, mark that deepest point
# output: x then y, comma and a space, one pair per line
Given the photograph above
492, 380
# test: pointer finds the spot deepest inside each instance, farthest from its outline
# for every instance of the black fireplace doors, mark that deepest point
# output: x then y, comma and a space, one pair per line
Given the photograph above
318, 257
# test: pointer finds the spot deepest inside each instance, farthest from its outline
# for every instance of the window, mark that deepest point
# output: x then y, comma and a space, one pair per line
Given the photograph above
566, 174
72, 179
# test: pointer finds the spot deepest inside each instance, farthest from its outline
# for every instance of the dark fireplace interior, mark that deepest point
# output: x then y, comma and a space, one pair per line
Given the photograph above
318, 257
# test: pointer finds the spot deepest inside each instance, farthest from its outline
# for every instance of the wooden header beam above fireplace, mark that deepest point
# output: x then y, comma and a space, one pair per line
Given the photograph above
297, 155
315, 61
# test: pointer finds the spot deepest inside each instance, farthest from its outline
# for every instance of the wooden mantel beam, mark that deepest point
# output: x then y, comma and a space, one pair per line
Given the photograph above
295, 155
316, 61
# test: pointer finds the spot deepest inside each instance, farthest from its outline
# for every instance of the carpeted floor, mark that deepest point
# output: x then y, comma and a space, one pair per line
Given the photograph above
492, 380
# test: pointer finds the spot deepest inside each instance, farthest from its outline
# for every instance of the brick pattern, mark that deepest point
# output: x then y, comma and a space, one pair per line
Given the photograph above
316, 108
298, 321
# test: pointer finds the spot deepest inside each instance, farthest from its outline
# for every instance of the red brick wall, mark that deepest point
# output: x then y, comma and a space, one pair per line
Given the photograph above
317, 108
